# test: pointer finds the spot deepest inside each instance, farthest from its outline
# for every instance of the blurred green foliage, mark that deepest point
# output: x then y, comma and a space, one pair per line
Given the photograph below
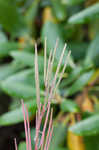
76, 22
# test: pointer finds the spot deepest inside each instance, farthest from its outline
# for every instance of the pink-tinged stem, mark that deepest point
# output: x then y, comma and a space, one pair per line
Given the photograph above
45, 124
50, 136
58, 68
38, 127
37, 79
25, 125
45, 60
47, 85
29, 134
52, 61
36, 120
49, 128
67, 58
48, 70
16, 148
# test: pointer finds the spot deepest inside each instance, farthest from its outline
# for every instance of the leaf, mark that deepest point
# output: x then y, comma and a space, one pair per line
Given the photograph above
27, 59
94, 77
3, 37
60, 148
32, 12
22, 146
59, 9
78, 50
16, 116
75, 142
24, 57
69, 106
92, 55
52, 31
72, 2
47, 15
72, 76
7, 47
87, 105
56, 141
86, 127
91, 142
9, 69
10, 17
86, 15
21, 85
79, 84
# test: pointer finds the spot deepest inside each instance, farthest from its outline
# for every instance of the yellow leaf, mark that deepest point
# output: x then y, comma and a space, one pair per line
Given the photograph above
90, 2
47, 15
87, 105
94, 77
74, 142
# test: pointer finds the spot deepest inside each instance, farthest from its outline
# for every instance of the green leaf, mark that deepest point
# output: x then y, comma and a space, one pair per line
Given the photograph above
53, 31
56, 141
60, 148
91, 142
86, 15
23, 57
21, 85
92, 55
7, 47
78, 50
87, 127
3, 37
71, 77
72, 2
27, 59
79, 84
59, 9
74, 74
16, 116
22, 146
69, 106
10, 17
32, 12
9, 69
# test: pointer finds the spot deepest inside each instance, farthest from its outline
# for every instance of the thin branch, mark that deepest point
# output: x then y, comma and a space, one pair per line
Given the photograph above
38, 120
45, 48
47, 79
61, 75
51, 63
15, 142
45, 124
56, 74
29, 134
48, 70
49, 128
50, 136
25, 125
37, 80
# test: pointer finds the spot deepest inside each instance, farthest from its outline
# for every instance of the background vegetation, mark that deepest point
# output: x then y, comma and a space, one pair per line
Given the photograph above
76, 104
